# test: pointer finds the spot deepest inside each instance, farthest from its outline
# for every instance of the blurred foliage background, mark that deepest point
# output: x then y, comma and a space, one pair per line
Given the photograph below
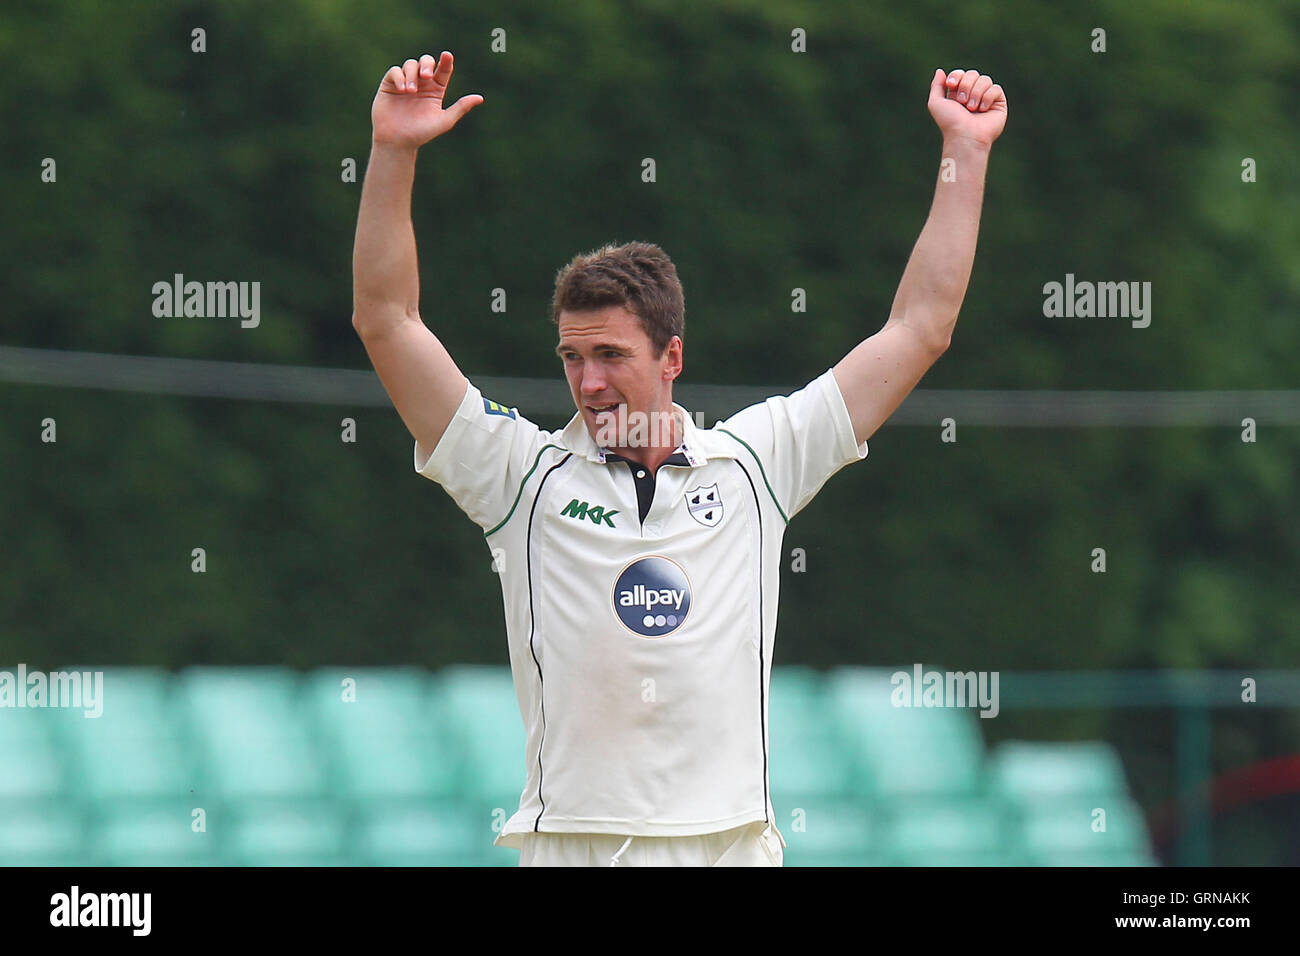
775, 170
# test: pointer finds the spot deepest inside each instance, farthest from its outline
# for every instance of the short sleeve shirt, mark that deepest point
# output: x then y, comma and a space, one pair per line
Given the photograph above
641, 649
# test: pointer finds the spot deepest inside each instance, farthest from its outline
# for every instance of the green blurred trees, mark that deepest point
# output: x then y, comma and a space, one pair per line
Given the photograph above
775, 170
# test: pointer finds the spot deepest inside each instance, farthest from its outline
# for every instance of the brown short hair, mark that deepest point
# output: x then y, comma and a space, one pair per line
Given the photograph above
636, 275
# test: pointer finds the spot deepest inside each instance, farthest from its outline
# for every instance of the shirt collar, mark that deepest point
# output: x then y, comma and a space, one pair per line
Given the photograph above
579, 440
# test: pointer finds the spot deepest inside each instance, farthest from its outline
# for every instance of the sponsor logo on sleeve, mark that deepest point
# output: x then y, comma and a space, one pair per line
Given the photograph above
496, 408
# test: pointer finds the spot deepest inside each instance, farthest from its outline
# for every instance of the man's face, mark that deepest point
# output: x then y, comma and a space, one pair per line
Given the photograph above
612, 370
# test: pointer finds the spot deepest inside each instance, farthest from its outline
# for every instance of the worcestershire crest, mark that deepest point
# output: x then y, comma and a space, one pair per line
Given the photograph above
705, 505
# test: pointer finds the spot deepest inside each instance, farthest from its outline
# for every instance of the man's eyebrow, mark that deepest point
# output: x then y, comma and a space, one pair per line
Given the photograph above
598, 347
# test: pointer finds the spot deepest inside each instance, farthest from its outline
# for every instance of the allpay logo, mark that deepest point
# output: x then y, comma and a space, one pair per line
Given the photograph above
652, 596
642, 596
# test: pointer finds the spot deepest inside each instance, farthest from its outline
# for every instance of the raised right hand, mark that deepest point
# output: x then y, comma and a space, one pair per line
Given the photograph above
408, 108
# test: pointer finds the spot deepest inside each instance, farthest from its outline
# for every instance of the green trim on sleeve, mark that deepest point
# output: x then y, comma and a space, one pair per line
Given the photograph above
520, 493
762, 471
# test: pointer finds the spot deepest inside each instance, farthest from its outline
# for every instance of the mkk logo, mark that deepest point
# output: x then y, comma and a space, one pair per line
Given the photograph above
652, 596
705, 505
580, 509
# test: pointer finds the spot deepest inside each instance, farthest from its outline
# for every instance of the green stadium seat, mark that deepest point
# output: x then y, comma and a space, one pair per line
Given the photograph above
48, 833
822, 831
950, 832
797, 683
135, 700
279, 834
131, 769
905, 751
377, 701
1062, 831
157, 834
135, 749
389, 740
1054, 789
811, 765
481, 712
421, 834
396, 767
242, 701
253, 738
31, 766
805, 753
813, 776
1030, 771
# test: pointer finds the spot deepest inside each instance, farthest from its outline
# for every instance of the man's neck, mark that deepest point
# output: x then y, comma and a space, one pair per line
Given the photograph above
654, 454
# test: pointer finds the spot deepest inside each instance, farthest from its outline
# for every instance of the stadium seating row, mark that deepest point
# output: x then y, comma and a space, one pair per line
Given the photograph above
267, 766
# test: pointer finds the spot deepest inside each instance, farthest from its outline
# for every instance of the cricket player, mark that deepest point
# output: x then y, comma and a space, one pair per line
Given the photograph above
638, 552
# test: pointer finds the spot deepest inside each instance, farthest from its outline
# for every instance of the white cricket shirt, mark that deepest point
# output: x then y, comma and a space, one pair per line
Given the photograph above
642, 650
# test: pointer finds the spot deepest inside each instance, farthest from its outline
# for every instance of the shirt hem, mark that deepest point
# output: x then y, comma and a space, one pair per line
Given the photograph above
513, 835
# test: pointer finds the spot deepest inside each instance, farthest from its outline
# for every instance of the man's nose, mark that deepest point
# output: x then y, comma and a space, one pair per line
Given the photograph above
593, 378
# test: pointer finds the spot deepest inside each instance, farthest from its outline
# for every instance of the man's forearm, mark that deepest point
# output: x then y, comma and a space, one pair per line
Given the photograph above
934, 283
385, 271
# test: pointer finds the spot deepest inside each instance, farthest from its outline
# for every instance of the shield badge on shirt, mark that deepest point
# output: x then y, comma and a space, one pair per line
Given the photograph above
705, 505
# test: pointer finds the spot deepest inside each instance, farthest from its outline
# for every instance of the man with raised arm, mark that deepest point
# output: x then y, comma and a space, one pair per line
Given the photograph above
638, 553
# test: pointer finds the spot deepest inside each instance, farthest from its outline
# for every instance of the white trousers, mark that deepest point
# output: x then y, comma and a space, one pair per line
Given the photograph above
754, 844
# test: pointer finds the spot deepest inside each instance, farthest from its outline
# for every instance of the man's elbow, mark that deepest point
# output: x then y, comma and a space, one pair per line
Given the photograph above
939, 335
372, 321
936, 340
363, 324
934, 333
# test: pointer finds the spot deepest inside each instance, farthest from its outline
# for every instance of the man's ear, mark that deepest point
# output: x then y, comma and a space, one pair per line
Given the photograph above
675, 349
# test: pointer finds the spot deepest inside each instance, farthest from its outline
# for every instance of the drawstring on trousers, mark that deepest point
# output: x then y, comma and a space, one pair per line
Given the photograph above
613, 860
